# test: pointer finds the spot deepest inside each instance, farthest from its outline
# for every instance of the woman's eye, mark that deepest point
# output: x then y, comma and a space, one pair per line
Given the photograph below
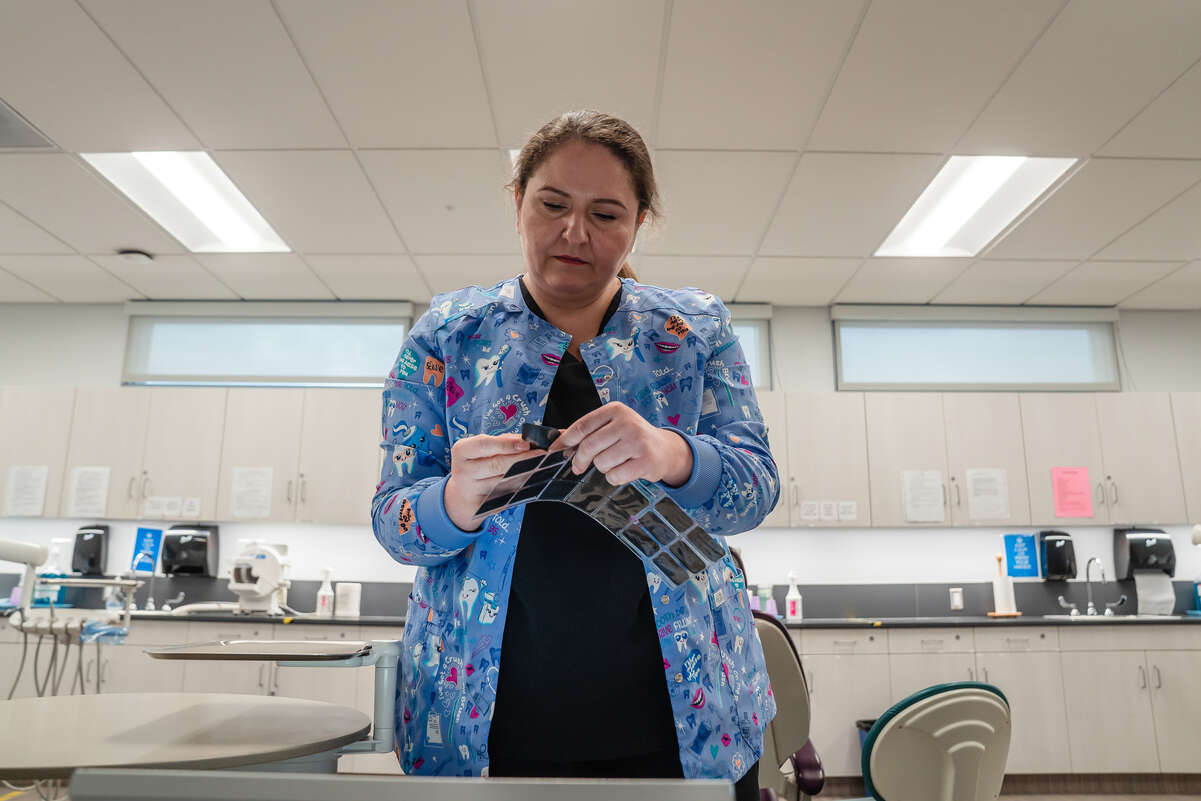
553, 206
605, 217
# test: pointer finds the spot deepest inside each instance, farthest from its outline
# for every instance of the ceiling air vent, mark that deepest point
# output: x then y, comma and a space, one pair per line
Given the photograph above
16, 132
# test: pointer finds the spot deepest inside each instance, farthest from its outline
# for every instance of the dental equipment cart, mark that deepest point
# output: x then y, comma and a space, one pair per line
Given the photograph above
50, 738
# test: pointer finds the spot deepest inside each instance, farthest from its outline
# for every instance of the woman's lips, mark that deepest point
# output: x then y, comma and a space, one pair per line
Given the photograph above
569, 260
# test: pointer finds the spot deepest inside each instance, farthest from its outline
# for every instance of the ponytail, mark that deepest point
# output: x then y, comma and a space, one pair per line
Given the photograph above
627, 271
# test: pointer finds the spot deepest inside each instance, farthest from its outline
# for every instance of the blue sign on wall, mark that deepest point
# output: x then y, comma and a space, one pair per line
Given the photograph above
145, 549
1021, 555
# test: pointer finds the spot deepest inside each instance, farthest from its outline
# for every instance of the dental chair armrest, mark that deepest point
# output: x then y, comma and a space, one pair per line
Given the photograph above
808, 772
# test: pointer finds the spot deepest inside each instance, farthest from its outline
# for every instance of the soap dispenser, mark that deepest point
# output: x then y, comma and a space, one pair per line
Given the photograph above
792, 602
325, 595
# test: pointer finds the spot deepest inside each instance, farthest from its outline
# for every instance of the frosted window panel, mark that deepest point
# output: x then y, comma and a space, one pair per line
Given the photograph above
754, 337
962, 355
244, 351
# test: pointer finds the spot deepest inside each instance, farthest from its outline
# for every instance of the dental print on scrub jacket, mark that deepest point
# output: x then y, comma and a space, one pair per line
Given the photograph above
480, 362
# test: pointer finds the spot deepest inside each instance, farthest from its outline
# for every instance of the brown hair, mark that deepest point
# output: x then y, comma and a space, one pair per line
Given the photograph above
602, 129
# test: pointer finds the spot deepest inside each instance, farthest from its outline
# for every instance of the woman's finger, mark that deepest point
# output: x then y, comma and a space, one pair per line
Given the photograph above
597, 441
483, 445
577, 431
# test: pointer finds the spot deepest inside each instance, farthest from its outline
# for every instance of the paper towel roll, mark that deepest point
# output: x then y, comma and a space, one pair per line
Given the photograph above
1155, 593
1002, 595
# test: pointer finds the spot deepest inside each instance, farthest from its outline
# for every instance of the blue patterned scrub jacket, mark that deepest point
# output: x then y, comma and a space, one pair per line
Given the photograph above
480, 362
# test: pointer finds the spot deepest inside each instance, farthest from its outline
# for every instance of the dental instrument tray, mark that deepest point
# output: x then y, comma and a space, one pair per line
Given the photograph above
271, 650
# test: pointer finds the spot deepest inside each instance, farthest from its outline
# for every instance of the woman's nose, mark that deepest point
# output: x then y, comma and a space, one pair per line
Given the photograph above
576, 230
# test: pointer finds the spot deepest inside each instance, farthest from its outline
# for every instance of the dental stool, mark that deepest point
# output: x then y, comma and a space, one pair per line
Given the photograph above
797, 770
948, 742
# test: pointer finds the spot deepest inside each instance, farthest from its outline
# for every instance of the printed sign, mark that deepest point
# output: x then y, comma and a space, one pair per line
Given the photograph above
1021, 556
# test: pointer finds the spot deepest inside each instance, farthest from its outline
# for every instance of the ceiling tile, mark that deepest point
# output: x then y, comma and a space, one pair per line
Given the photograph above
266, 276
72, 279
15, 290
535, 66
796, 282
1178, 290
845, 204
1002, 282
255, 94
1166, 128
716, 202
1173, 232
376, 277
718, 275
1095, 67
169, 277
319, 201
787, 50
1098, 203
900, 280
920, 71
65, 76
446, 273
19, 235
446, 201
63, 196
416, 55
1102, 283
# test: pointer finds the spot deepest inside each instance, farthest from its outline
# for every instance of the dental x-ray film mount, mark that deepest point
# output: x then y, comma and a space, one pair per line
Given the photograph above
658, 531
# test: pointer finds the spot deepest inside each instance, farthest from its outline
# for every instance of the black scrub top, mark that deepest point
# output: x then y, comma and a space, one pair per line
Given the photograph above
581, 673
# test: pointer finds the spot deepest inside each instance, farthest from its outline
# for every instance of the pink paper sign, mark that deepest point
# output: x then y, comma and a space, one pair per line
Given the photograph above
1072, 491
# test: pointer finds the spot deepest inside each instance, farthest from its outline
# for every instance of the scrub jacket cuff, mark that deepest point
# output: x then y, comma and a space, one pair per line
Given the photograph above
706, 473
436, 523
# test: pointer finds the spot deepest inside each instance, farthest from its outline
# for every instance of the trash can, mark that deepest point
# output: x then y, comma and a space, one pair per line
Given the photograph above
864, 726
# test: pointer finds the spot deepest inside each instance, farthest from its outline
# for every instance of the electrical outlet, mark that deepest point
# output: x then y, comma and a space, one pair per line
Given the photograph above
956, 594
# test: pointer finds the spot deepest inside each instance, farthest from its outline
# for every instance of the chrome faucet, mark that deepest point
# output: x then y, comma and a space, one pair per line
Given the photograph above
134, 574
1088, 585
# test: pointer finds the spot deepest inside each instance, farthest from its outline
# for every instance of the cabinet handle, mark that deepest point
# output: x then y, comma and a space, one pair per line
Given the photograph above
932, 642
985, 675
1142, 678
261, 666
1099, 495
129, 493
104, 666
303, 486
87, 671
958, 497
971, 676
793, 491
1158, 677
290, 482
1113, 486
145, 483
944, 494
851, 643
1016, 640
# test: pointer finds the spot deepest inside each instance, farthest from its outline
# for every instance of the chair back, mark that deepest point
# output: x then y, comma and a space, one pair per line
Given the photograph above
948, 742
789, 730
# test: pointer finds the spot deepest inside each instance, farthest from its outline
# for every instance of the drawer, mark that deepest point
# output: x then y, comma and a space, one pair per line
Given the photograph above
1129, 637
207, 632
931, 641
390, 633
158, 632
1016, 638
315, 632
844, 641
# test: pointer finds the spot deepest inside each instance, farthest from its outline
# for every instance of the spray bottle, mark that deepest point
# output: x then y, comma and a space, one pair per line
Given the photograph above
325, 595
792, 602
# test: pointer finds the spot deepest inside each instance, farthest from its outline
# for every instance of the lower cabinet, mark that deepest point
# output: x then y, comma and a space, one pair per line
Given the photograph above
217, 676
1175, 679
909, 673
1033, 684
1110, 723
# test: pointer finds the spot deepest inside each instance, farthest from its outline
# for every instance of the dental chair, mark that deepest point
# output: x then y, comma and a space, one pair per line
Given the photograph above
798, 771
948, 742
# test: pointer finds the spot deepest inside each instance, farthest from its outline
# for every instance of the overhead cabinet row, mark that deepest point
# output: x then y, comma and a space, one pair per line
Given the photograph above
275, 455
886, 459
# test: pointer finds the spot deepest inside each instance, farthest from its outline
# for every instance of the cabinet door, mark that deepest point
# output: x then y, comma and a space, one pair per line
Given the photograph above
1110, 727
1033, 683
183, 447
844, 688
127, 669
774, 407
108, 429
984, 430
332, 685
34, 428
904, 432
262, 430
339, 455
909, 673
827, 456
1060, 430
1186, 414
1176, 700
1142, 468
227, 676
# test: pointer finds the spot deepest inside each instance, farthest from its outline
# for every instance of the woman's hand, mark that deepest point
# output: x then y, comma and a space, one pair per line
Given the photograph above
475, 464
624, 446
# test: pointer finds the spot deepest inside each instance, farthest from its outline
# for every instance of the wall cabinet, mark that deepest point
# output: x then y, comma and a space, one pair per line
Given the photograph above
905, 432
262, 432
774, 408
1142, 468
34, 427
984, 430
183, 449
1060, 430
827, 459
339, 456
108, 429
1186, 415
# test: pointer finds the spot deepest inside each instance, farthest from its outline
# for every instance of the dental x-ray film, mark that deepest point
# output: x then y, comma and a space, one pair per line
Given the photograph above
650, 524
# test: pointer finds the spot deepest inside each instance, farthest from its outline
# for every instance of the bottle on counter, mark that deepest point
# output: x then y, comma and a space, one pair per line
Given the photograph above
792, 602
325, 595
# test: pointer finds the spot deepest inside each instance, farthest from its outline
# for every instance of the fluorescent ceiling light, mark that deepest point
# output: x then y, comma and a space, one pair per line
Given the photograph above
969, 202
189, 195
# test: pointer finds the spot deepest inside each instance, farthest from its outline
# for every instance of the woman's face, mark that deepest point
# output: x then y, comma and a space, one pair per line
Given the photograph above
577, 221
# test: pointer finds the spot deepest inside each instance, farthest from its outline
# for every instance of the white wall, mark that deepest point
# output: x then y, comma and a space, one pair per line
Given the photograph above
51, 344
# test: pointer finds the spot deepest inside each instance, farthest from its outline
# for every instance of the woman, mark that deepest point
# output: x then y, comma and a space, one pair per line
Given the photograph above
607, 669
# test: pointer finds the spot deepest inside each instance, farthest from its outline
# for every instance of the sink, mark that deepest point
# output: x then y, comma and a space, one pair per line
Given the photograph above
1109, 619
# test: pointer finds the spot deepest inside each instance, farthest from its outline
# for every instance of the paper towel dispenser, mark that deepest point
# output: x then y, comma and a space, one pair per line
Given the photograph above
190, 551
1057, 555
1142, 549
91, 551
